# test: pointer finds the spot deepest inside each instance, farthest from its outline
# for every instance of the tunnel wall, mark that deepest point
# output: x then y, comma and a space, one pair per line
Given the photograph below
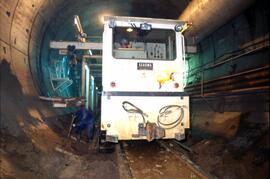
23, 24
228, 109
22, 37
251, 28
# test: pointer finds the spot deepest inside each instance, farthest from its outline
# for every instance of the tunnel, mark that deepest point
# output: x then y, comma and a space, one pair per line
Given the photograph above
227, 56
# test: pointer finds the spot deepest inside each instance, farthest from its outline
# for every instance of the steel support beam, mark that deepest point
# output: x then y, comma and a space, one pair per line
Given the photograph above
78, 45
93, 56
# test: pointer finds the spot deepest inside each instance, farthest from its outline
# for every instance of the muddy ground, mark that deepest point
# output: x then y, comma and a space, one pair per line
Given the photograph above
157, 160
33, 138
59, 157
217, 157
63, 158
214, 157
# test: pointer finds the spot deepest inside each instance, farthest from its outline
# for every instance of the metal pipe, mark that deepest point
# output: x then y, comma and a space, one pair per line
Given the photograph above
202, 81
206, 16
225, 85
213, 64
236, 84
234, 75
244, 91
252, 79
247, 80
234, 58
261, 91
229, 87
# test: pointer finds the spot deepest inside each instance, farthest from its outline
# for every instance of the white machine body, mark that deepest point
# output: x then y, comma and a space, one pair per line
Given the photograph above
143, 79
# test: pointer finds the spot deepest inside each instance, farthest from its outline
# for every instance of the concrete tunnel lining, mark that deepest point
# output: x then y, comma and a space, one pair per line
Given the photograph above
22, 35
24, 25
28, 25
207, 16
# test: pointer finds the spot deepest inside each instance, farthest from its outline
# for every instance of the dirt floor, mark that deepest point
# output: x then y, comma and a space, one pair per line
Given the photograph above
22, 158
153, 160
48, 153
217, 157
33, 138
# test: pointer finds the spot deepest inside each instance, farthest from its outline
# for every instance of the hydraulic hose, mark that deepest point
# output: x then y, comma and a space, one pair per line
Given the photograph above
168, 110
133, 109
162, 112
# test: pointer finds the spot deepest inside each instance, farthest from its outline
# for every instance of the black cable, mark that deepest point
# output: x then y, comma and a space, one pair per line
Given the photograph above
134, 109
163, 111
167, 110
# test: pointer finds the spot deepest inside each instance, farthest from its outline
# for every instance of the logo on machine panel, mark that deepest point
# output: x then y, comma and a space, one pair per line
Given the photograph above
144, 66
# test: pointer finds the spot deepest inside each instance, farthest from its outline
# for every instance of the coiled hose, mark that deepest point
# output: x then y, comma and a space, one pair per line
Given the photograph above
162, 112
167, 110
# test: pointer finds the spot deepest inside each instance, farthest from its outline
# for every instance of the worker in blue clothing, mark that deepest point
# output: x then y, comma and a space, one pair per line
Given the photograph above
85, 120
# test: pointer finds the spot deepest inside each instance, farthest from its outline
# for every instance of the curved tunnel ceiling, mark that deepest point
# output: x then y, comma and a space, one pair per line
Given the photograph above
30, 25
206, 16
91, 11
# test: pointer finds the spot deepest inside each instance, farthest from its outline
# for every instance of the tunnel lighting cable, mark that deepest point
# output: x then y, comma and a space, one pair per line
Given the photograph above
133, 109
164, 111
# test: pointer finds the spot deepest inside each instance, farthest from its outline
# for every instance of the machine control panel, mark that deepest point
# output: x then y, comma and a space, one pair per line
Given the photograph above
156, 50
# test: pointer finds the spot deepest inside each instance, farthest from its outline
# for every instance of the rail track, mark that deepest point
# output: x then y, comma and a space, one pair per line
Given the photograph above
158, 159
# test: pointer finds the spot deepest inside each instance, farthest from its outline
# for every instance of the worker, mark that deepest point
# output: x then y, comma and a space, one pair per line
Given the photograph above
124, 43
85, 120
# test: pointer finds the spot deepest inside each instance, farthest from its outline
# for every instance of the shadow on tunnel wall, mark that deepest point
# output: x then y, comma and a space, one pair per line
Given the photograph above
30, 132
15, 120
12, 102
24, 116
